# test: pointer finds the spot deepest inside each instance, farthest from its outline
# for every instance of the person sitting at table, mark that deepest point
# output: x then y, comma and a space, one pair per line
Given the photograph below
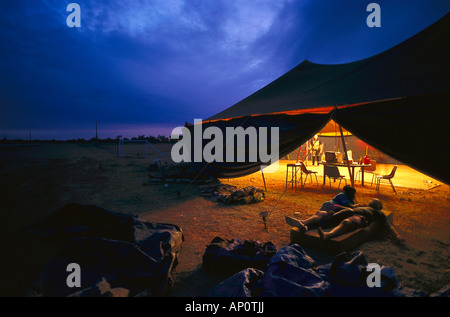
360, 217
341, 201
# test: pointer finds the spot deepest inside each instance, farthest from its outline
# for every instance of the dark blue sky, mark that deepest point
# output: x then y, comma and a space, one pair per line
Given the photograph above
146, 67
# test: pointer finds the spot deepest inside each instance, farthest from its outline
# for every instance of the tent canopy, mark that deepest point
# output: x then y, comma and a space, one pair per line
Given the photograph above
396, 101
417, 66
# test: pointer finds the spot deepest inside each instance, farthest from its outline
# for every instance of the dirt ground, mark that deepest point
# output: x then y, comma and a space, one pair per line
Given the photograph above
37, 179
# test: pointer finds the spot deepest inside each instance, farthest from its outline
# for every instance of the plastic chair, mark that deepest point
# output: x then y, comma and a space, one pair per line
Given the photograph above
307, 172
369, 169
333, 172
387, 178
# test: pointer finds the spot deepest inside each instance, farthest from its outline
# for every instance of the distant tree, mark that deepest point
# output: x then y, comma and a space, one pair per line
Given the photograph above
162, 138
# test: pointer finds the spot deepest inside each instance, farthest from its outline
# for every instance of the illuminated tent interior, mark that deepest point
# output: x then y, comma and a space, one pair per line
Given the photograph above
331, 140
332, 129
330, 137
396, 101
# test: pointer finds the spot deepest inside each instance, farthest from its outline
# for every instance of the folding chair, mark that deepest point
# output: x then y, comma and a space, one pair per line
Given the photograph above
333, 172
307, 172
387, 178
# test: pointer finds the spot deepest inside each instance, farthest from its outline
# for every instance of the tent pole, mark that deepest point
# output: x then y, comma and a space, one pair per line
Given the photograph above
346, 157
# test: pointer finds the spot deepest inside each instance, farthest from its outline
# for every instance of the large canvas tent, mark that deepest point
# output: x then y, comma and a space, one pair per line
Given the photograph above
396, 101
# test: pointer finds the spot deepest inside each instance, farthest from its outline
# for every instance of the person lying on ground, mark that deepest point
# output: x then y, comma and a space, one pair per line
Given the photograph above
361, 217
339, 203
344, 199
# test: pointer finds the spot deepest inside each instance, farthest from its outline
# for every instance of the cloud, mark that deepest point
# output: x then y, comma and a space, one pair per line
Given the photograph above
137, 18
238, 23
170, 61
249, 21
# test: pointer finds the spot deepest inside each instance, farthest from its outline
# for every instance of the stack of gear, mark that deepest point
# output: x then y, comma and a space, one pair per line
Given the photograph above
229, 194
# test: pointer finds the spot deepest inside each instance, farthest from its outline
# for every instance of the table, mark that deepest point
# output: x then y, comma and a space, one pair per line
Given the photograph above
294, 170
353, 165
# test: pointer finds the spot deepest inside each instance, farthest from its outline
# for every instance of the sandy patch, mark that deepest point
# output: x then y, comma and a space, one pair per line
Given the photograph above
36, 180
